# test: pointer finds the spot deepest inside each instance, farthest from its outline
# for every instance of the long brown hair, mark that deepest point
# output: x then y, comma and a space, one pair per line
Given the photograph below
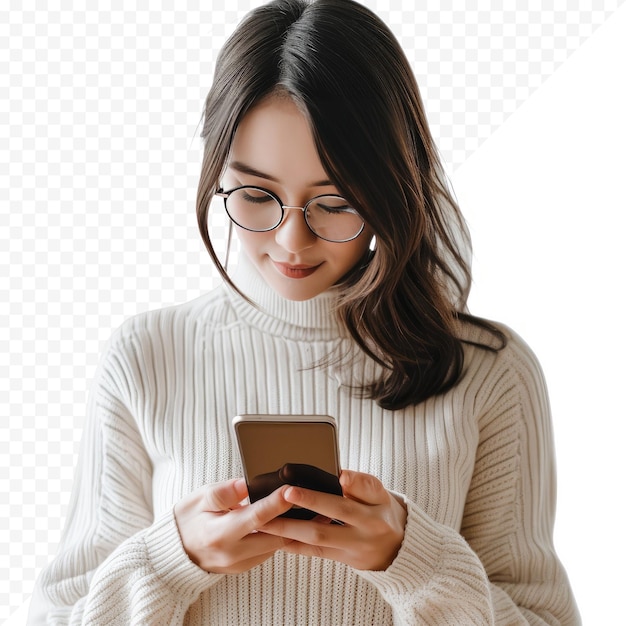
345, 69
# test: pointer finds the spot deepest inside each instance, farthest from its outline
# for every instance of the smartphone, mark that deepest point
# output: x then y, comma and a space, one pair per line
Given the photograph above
298, 450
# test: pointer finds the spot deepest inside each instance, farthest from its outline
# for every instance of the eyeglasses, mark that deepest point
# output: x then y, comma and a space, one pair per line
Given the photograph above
330, 217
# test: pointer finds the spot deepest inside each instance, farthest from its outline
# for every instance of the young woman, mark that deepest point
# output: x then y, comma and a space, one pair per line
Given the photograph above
349, 300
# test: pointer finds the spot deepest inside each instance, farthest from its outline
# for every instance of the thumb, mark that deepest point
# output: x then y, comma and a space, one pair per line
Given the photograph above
363, 488
224, 496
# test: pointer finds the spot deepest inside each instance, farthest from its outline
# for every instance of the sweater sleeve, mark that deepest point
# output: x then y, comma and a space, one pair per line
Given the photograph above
116, 564
501, 568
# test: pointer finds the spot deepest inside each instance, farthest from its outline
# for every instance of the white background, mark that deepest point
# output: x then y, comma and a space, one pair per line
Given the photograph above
98, 168
545, 201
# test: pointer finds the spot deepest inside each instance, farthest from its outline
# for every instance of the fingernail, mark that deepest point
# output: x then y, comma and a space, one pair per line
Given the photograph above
291, 493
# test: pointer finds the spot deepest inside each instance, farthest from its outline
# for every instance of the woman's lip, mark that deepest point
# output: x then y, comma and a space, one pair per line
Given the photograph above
295, 271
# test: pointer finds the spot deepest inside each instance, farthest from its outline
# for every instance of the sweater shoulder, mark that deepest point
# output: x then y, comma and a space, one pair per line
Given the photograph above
211, 311
495, 341
501, 363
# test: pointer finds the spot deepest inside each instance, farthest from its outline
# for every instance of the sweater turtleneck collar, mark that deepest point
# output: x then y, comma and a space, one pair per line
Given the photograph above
312, 319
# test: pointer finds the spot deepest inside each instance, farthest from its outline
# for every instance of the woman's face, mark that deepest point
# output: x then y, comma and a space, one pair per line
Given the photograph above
273, 148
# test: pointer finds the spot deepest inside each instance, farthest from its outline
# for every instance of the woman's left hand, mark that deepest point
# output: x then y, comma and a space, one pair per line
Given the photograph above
372, 526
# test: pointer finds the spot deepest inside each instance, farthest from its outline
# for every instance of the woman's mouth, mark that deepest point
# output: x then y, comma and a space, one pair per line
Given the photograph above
295, 271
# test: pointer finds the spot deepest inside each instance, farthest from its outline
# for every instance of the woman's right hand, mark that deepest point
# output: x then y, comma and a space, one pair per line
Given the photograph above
219, 534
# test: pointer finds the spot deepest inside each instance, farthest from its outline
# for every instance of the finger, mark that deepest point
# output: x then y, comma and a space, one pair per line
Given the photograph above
245, 553
257, 546
224, 496
363, 488
255, 515
314, 534
305, 549
325, 504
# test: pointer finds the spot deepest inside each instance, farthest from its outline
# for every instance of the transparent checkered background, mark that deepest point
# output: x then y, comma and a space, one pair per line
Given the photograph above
99, 161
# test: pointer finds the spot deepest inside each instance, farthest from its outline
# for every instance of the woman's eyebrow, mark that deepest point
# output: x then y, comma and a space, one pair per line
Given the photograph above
247, 169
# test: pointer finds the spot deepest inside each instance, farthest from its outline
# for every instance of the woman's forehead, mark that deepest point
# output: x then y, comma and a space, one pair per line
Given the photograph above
274, 141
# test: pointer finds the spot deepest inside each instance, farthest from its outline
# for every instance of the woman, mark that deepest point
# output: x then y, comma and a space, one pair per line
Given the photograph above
349, 301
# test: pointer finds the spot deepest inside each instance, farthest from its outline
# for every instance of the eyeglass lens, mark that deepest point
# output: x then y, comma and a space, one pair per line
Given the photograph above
329, 217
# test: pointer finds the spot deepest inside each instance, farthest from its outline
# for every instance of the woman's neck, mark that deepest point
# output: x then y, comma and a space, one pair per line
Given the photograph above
315, 317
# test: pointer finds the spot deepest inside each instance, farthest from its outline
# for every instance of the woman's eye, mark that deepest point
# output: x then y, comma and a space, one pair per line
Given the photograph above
256, 198
334, 209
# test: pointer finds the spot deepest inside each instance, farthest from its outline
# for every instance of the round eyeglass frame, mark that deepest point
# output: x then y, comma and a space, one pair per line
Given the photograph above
221, 193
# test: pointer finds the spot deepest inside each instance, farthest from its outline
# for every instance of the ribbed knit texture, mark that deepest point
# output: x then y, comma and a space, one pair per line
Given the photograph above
474, 465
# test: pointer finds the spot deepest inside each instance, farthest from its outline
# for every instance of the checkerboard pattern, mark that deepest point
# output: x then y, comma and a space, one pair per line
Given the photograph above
99, 162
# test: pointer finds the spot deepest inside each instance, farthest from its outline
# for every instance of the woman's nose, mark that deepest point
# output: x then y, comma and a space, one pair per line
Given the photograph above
293, 234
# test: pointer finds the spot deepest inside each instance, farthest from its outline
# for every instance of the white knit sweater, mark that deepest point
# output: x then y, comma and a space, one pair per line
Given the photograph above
475, 466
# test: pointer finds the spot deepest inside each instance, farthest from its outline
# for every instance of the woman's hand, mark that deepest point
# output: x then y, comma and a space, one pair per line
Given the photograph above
373, 523
218, 533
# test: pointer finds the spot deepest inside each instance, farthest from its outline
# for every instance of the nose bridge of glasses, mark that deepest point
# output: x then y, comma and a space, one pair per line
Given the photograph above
288, 206
285, 218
